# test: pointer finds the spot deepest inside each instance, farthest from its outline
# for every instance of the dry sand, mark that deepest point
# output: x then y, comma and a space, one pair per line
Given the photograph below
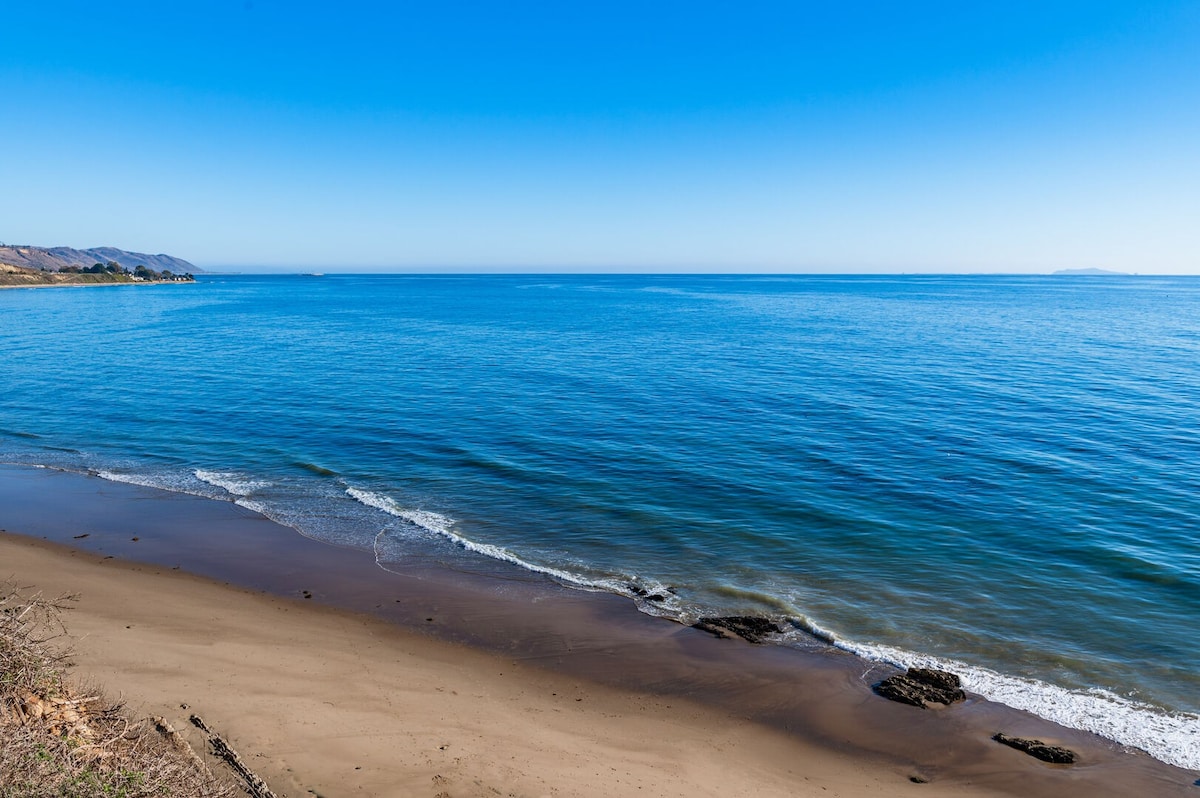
325, 702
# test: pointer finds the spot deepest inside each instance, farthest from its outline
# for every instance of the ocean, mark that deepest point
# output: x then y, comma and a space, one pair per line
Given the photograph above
998, 475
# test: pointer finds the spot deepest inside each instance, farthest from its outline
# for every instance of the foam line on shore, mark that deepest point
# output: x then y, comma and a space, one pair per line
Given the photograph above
157, 482
442, 526
233, 483
1171, 737
233, 487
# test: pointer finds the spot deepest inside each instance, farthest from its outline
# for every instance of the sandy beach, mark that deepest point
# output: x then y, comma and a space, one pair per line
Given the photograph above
348, 694
325, 702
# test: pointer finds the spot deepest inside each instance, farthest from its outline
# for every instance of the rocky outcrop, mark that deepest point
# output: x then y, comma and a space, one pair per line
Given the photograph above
922, 687
1037, 749
750, 628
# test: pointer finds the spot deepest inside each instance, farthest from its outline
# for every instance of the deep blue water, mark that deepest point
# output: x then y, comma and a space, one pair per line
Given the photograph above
997, 474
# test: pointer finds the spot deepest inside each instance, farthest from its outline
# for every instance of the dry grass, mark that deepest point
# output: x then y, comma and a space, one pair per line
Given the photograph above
59, 740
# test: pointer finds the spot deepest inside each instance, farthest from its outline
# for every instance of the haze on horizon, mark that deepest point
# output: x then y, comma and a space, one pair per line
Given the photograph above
761, 137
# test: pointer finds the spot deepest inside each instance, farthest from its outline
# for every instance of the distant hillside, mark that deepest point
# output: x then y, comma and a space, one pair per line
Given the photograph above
56, 259
1089, 273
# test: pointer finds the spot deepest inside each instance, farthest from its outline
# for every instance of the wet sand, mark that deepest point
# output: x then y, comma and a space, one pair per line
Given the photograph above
439, 681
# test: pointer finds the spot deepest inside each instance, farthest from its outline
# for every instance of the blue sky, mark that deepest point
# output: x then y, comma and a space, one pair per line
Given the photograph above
700, 136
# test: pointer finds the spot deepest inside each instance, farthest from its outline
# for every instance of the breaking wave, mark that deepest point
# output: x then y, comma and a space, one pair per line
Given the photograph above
443, 526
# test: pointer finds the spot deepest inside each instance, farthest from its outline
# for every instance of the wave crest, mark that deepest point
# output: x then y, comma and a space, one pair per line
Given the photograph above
231, 482
438, 524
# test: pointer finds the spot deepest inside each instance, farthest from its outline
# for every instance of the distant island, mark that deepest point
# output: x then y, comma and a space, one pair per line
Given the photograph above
43, 266
1089, 273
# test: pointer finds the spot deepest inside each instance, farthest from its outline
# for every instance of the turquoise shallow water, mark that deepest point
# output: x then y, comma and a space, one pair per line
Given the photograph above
997, 474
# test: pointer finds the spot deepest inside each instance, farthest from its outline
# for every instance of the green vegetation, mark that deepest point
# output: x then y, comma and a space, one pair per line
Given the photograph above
139, 274
100, 273
56, 740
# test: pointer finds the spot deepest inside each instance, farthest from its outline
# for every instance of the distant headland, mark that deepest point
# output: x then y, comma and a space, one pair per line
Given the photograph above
35, 266
1090, 272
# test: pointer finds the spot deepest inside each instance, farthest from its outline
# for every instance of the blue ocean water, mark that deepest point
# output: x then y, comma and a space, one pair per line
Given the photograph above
1000, 475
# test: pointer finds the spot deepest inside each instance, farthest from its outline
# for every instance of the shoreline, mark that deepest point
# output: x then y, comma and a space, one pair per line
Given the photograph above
820, 700
327, 702
98, 285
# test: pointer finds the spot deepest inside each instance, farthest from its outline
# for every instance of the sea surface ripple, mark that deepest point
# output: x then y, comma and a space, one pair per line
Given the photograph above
996, 474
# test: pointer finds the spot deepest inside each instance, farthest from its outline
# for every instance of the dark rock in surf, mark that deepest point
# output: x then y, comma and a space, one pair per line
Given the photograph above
922, 687
645, 594
1037, 749
750, 628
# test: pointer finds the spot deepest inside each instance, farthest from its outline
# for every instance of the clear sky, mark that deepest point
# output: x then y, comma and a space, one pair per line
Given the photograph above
659, 136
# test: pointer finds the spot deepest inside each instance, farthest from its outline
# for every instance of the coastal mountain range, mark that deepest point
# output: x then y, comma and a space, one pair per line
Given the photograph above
54, 259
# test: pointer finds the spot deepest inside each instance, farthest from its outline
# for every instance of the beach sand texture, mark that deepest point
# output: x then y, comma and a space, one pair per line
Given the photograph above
325, 702
321, 700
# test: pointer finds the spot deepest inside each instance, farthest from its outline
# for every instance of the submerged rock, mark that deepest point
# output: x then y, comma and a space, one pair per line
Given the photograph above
1037, 749
922, 687
750, 628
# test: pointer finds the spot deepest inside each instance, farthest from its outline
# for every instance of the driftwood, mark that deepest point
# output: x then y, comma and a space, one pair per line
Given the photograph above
255, 785
176, 739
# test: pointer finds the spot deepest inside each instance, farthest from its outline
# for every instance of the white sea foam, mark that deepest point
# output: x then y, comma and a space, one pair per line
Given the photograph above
261, 509
231, 482
444, 526
1172, 737
131, 479
158, 481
